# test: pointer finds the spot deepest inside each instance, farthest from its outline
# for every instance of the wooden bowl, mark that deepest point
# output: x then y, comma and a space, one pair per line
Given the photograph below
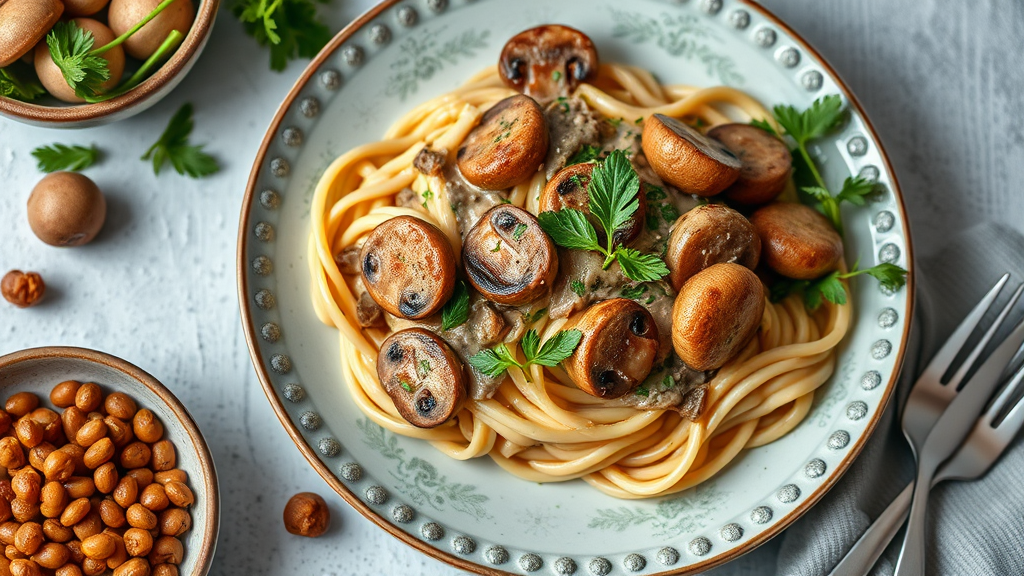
51, 113
38, 370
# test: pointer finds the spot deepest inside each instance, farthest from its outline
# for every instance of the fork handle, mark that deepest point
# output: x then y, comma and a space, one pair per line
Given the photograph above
859, 560
912, 555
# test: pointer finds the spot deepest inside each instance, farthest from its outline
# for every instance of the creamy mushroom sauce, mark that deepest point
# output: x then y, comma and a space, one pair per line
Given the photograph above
572, 125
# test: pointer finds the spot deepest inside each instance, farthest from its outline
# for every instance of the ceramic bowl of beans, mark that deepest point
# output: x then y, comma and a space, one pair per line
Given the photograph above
102, 470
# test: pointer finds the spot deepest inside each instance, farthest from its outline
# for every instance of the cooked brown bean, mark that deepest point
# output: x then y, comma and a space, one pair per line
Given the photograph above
24, 510
548, 61
80, 487
5, 422
120, 555
141, 517
75, 512
307, 514
28, 431
154, 497
166, 550
12, 553
78, 454
5, 510
92, 567
408, 267
174, 522
50, 422
7, 532
6, 492
687, 159
422, 375
69, 570
75, 548
164, 456
798, 242
98, 546
106, 477
51, 555
111, 514
24, 567
127, 491
21, 403
715, 314
12, 455
143, 477
133, 567
91, 432
707, 235
618, 349
138, 542
766, 163
72, 419
99, 453
119, 431
147, 427
27, 484
59, 466
568, 189
507, 146
63, 394
88, 397
120, 405
57, 532
136, 455
53, 499
29, 538
508, 256
90, 525
165, 570
175, 475
37, 456
179, 494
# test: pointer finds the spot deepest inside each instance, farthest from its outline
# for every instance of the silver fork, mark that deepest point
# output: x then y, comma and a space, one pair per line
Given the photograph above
983, 446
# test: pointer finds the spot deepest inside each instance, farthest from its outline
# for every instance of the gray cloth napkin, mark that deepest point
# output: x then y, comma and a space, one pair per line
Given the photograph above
976, 528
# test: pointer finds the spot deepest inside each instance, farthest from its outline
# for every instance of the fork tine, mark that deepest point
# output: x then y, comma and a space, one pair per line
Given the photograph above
958, 377
1013, 419
944, 357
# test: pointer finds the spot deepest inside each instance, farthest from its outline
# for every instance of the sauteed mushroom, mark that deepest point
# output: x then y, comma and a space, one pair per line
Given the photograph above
707, 235
716, 313
508, 257
548, 61
798, 241
23, 23
408, 267
51, 77
766, 160
618, 349
422, 375
568, 189
687, 159
508, 145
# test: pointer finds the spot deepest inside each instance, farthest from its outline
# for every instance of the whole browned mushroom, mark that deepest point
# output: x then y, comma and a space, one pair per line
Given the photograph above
548, 61
508, 257
51, 77
23, 23
708, 235
687, 159
715, 314
766, 160
568, 189
422, 375
798, 242
618, 349
508, 145
408, 267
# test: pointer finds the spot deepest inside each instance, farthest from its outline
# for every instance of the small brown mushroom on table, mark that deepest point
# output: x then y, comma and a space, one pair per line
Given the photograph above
766, 161
422, 375
568, 189
408, 267
716, 313
798, 241
66, 209
548, 61
687, 159
508, 257
618, 349
707, 235
507, 146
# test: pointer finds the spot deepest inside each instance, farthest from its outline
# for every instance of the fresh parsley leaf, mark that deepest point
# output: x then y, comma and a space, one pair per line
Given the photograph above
456, 310
585, 154
764, 125
291, 28
613, 190
537, 315
557, 348
497, 360
822, 117
634, 292
578, 287
71, 49
530, 343
855, 190
655, 193
13, 85
640, 267
173, 146
494, 361
570, 228
890, 276
517, 233
62, 157
830, 286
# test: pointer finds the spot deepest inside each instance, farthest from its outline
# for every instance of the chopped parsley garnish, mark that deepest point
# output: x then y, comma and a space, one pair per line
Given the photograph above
532, 318
634, 292
578, 287
497, 247
428, 195
405, 385
642, 391
585, 154
517, 233
456, 310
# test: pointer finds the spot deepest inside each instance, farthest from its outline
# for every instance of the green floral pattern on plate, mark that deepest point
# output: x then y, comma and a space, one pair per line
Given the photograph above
422, 57
670, 517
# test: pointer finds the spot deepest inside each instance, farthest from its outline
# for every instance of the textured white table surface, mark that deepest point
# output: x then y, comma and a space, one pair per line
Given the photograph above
941, 80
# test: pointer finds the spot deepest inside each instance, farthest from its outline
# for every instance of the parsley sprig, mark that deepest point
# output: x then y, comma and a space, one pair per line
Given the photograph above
291, 28
456, 310
494, 361
830, 287
63, 157
13, 85
613, 189
174, 146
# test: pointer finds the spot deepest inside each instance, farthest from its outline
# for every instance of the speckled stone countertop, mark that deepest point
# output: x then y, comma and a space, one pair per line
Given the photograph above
939, 80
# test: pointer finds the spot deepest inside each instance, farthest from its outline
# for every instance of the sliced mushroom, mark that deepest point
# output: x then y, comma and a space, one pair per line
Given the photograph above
707, 235
508, 257
368, 313
766, 160
408, 267
430, 162
798, 241
508, 145
618, 349
548, 61
422, 375
716, 313
348, 260
687, 159
568, 189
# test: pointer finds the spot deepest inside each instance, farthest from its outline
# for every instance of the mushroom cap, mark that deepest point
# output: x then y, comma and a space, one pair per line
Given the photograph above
687, 159
508, 256
53, 79
548, 61
422, 375
797, 241
66, 209
23, 23
618, 349
84, 7
123, 14
568, 189
710, 234
716, 313
408, 267
767, 163
507, 146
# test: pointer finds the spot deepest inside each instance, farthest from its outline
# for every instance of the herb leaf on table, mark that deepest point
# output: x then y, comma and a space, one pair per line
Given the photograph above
174, 146
291, 28
63, 157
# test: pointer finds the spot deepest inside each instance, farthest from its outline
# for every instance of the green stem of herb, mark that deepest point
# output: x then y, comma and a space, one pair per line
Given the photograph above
608, 253
172, 42
810, 164
120, 39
